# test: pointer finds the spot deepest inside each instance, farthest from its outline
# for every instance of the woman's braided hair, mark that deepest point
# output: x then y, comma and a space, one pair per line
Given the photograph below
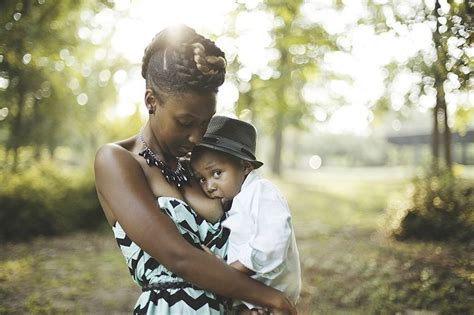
180, 60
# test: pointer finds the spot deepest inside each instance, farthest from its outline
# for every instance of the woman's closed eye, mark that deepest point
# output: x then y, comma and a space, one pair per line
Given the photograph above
185, 122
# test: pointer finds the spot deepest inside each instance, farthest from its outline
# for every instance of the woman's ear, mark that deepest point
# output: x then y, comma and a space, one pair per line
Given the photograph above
150, 101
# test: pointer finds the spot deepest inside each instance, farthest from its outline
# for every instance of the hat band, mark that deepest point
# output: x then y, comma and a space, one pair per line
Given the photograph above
228, 144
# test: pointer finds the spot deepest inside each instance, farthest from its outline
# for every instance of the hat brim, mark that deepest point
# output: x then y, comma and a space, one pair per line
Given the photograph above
256, 164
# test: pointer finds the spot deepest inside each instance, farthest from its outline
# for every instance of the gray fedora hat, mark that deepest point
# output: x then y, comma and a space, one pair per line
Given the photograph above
232, 136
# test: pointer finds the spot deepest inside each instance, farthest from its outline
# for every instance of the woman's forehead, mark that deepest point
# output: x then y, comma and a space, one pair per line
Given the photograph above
193, 104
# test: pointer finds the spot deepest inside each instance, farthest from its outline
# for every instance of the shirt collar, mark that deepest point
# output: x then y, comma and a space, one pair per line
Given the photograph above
251, 177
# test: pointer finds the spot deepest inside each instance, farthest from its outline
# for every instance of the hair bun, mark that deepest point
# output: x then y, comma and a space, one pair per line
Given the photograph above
179, 59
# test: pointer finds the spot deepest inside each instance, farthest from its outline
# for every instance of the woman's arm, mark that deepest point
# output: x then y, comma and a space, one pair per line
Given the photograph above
123, 187
237, 265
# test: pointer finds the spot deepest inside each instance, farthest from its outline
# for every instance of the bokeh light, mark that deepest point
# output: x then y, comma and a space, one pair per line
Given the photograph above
315, 162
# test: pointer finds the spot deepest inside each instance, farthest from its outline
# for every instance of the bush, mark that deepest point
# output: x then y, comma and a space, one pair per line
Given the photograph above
46, 200
436, 206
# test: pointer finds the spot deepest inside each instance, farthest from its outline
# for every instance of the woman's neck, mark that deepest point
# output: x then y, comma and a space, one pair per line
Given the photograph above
153, 143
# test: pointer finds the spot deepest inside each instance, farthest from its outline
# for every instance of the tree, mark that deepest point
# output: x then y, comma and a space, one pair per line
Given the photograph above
439, 203
444, 70
57, 75
275, 100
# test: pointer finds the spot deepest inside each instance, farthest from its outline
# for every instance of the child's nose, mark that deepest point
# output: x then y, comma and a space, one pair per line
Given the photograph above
210, 187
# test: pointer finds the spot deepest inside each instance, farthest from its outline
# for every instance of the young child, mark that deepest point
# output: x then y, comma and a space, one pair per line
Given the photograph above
261, 242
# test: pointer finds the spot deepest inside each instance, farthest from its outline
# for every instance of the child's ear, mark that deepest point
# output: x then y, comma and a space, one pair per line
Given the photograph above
247, 167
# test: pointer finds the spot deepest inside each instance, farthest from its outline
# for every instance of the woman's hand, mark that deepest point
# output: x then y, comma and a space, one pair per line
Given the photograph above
285, 307
258, 311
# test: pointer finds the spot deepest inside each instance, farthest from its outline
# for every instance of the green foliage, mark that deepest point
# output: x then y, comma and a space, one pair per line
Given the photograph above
120, 127
58, 68
280, 103
273, 97
363, 274
436, 206
462, 117
45, 200
441, 70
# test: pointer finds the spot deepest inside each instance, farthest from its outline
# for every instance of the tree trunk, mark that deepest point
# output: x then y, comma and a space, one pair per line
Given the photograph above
440, 111
296, 150
37, 121
441, 100
435, 139
7, 151
15, 159
15, 137
447, 140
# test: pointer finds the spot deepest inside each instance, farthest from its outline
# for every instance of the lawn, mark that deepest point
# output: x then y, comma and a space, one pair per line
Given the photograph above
349, 265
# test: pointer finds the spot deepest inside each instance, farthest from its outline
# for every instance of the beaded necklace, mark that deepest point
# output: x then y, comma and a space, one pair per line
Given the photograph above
179, 177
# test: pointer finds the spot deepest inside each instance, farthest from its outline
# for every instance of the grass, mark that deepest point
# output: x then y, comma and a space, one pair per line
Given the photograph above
82, 273
349, 266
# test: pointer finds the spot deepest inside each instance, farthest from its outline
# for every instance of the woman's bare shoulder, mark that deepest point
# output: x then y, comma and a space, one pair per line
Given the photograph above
116, 159
116, 151
123, 146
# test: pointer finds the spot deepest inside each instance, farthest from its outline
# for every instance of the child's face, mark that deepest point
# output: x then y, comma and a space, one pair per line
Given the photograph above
219, 175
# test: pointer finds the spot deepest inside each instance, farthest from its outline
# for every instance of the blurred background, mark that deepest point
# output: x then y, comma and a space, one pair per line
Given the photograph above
365, 118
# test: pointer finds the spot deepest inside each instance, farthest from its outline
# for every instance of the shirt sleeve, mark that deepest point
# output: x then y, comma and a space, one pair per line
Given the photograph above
268, 246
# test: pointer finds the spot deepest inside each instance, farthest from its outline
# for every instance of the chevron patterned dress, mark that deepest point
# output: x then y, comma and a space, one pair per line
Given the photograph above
159, 297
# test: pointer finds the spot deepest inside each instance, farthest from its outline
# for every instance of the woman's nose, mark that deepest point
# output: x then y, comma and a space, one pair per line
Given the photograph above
195, 136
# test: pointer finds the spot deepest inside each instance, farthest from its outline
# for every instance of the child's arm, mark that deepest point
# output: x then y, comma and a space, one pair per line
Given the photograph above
237, 265
268, 247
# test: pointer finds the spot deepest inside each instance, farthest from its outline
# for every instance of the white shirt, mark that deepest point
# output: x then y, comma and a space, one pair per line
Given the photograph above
262, 236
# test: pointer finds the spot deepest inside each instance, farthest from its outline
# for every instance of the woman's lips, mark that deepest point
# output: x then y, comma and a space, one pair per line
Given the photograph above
184, 150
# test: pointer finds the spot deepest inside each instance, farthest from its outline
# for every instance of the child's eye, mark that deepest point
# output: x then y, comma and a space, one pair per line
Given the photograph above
201, 180
216, 173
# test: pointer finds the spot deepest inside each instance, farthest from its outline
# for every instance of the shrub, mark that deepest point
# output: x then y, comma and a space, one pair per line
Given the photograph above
435, 206
46, 200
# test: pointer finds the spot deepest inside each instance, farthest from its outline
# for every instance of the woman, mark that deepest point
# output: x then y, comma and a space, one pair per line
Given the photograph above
142, 185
